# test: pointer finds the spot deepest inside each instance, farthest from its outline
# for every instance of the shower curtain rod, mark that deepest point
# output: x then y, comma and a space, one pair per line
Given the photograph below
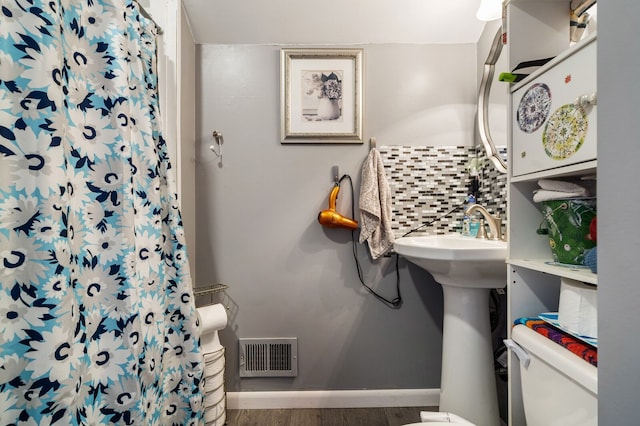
146, 14
583, 6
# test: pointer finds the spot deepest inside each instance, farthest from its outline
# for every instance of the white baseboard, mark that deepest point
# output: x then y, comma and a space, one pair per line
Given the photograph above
333, 399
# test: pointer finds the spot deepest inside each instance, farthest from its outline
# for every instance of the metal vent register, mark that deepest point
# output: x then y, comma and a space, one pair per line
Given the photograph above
269, 357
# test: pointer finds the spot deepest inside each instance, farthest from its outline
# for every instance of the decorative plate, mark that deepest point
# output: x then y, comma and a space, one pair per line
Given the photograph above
534, 107
565, 131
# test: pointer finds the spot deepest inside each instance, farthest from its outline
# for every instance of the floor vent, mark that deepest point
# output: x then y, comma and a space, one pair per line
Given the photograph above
269, 357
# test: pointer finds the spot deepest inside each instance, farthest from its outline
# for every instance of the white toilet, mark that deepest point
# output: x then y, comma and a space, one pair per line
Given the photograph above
558, 387
432, 418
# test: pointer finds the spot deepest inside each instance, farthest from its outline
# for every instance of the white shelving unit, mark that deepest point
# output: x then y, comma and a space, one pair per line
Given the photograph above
536, 29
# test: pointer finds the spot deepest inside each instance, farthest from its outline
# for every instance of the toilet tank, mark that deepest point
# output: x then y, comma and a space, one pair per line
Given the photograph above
558, 387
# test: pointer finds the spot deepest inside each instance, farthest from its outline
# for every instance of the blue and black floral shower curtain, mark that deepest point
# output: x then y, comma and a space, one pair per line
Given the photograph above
97, 319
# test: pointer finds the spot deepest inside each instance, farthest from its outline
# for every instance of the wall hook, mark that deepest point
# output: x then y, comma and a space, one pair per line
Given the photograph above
217, 140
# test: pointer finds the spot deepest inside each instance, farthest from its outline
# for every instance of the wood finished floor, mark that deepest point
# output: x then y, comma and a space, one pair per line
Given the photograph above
389, 416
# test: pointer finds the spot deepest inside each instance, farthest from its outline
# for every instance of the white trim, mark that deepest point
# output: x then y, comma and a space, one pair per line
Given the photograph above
333, 399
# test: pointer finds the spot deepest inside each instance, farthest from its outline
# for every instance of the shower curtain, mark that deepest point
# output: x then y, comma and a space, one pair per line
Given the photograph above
97, 319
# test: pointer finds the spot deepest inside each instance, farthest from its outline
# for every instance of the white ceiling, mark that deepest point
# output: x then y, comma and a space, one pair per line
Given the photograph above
333, 21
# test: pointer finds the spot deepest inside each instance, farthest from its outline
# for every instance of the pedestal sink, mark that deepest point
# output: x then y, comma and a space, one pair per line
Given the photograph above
467, 268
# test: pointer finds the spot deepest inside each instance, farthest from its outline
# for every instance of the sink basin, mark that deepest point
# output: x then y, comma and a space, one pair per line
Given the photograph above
456, 260
467, 268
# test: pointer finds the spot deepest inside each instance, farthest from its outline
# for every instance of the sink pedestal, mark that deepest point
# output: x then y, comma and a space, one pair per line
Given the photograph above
467, 269
468, 385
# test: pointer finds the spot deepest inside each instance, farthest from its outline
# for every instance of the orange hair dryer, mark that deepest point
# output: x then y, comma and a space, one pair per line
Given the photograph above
331, 218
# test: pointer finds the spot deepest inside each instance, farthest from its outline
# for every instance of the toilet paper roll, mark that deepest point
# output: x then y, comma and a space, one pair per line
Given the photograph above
215, 415
212, 383
578, 308
212, 319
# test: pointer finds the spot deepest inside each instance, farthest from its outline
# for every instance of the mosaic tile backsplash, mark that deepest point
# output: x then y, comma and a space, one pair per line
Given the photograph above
427, 182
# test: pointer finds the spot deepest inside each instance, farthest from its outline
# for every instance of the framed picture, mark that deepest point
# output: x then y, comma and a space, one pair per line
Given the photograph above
321, 95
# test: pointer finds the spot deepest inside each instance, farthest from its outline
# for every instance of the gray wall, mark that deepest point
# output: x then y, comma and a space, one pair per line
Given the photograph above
256, 216
618, 195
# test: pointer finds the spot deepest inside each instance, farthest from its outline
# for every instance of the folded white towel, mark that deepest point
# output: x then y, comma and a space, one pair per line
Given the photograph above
375, 206
546, 195
558, 190
562, 186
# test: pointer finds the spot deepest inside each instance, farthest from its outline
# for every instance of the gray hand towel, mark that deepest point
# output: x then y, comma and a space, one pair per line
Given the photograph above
375, 206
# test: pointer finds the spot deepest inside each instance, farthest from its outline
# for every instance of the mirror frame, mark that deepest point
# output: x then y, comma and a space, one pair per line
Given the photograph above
483, 103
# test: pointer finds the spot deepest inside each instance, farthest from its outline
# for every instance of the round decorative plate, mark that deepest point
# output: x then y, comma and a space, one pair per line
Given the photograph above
565, 131
534, 107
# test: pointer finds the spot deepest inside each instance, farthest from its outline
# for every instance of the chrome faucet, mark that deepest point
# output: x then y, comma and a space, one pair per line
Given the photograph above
495, 222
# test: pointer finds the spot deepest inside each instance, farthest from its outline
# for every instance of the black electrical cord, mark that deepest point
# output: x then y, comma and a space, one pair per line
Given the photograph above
397, 301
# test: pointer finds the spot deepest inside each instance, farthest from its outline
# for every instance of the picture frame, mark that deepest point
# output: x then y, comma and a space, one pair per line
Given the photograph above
321, 95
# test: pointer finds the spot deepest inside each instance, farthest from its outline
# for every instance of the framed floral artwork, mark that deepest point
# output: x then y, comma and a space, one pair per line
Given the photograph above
321, 95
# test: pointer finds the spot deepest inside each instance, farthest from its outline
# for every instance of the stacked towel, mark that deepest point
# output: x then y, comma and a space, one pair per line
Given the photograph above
375, 206
558, 190
578, 347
